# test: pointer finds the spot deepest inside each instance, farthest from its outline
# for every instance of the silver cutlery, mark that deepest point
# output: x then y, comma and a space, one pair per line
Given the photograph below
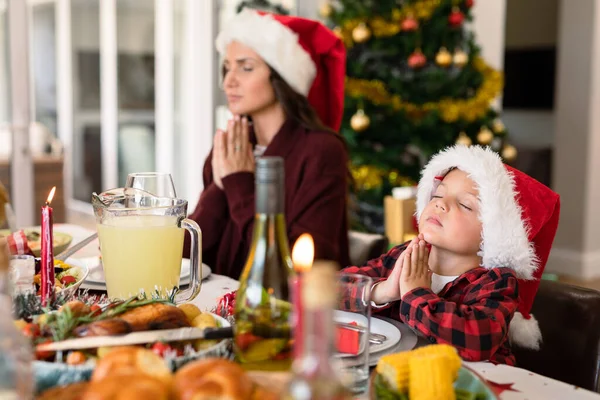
75, 248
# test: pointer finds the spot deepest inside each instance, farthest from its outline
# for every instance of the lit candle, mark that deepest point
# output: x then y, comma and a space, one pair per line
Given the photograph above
47, 262
303, 255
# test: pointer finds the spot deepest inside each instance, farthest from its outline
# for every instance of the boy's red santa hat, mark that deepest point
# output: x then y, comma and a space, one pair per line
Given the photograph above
307, 55
519, 217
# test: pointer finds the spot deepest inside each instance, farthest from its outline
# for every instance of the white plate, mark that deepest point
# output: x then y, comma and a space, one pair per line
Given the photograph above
377, 326
96, 278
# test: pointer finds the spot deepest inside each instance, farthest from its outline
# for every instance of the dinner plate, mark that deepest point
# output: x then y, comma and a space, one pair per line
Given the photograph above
60, 242
96, 280
379, 326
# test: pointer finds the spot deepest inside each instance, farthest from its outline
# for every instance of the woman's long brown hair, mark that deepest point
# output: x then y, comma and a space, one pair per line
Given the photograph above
295, 105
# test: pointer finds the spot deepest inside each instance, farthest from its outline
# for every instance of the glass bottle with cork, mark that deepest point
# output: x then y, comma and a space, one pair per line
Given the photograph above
314, 372
262, 339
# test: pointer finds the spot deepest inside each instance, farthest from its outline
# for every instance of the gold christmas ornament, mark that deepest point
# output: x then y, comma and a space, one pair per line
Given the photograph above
509, 152
360, 121
485, 136
337, 31
361, 33
443, 58
464, 139
460, 58
498, 126
326, 10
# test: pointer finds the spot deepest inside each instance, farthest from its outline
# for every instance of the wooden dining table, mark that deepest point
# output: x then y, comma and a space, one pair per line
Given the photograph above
509, 383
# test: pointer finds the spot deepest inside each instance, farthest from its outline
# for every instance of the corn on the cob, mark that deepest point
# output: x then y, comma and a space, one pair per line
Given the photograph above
441, 349
431, 377
393, 368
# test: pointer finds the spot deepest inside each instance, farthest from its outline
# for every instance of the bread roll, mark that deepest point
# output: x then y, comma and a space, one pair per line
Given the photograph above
132, 360
213, 378
74, 391
260, 393
129, 385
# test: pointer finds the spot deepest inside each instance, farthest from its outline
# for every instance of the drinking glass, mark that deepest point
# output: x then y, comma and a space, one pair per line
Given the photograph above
22, 271
354, 308
159, 184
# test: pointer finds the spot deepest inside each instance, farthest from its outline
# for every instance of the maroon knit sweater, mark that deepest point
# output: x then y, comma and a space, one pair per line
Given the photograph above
316, 182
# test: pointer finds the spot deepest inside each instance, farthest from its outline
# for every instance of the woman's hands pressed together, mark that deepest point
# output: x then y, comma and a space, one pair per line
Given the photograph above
232, 150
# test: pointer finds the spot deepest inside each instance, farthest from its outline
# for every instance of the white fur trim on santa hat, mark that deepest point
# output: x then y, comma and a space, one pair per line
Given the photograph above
276, 43
525, 332
504, 239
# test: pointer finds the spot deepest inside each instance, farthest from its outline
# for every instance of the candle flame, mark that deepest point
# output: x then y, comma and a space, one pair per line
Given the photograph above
51, 195
303, 253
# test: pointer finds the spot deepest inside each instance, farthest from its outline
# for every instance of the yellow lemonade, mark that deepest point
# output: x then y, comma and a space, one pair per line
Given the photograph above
140, 252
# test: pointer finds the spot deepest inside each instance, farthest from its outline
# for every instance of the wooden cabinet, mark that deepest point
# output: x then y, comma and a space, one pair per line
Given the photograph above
47, 172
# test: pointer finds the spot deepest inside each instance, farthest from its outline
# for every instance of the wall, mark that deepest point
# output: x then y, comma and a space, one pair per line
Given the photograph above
531, 24
576, 249
43, 64
4, 89
488, 25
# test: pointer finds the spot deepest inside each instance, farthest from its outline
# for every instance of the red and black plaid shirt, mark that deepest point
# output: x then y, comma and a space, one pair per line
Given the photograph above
472, 313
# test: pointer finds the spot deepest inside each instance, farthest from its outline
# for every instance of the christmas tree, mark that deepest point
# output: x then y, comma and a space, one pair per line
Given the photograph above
416, 83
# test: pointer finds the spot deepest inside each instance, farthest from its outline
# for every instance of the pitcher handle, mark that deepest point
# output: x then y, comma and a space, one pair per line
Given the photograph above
193, 290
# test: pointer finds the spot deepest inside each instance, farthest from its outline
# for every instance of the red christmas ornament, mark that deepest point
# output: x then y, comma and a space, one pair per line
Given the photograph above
456, 18
417, 59
409, 24
469, 3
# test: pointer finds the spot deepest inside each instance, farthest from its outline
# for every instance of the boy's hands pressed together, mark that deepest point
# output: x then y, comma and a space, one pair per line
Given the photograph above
389, 290
415, 267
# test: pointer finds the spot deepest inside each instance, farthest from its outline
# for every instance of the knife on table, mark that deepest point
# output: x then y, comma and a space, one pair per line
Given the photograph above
75, 248
165, 335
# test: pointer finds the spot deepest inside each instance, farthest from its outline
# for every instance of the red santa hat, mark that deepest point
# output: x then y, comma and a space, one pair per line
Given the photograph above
519, 217
307, 55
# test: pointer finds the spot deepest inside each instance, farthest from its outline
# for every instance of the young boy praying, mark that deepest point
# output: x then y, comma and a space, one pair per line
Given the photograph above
485, 233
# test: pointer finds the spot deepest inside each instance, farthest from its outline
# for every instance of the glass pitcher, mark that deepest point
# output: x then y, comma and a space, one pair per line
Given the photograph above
141, 242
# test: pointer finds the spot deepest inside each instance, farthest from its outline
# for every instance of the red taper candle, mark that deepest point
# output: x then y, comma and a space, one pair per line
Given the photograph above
47, 254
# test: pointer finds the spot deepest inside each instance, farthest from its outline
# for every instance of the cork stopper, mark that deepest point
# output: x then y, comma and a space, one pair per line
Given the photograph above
319, 285
4, 257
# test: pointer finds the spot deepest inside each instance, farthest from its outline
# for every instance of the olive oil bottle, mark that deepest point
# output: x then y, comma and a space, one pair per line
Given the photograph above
262, 337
